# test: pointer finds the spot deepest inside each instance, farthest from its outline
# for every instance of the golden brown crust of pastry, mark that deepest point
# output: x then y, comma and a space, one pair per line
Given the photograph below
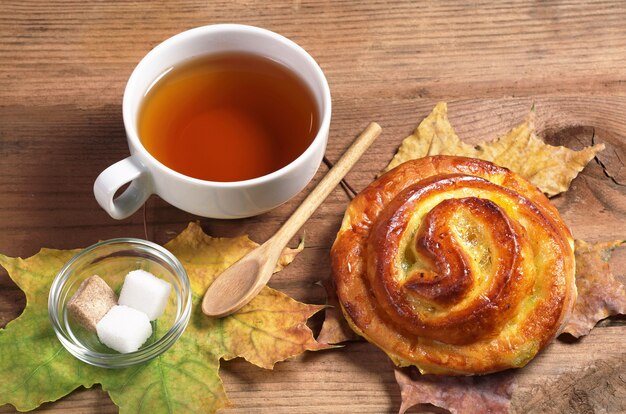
454, 265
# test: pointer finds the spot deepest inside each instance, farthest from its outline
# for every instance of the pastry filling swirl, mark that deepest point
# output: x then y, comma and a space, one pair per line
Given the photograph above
454, 261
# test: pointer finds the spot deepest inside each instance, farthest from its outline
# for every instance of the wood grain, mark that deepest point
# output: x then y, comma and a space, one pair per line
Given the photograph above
64, 64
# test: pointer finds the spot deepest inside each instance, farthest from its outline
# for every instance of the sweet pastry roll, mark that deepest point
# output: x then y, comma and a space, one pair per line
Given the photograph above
454, 265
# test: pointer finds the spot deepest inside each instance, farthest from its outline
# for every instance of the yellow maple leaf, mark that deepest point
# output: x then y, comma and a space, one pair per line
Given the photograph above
271, 328
520, 150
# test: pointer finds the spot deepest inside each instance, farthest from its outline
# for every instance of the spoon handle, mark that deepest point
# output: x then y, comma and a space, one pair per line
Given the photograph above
326, 185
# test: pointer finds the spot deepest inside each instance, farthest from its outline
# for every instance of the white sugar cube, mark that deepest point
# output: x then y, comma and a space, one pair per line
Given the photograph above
124, 329
145, 292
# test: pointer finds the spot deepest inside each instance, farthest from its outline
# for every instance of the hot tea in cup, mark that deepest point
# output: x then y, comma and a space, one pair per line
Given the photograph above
222, 121
228, 117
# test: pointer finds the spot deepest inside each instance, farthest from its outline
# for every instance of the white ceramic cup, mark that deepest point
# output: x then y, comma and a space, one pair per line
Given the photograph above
147, 175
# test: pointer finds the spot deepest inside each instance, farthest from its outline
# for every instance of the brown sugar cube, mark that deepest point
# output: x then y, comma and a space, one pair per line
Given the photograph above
91, 302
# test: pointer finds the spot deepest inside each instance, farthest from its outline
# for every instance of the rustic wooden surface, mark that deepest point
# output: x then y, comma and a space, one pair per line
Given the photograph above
63, 67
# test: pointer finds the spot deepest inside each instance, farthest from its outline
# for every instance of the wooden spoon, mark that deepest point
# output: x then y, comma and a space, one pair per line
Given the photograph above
242, 281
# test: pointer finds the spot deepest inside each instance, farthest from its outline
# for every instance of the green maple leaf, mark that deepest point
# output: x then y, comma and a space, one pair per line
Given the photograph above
271, 328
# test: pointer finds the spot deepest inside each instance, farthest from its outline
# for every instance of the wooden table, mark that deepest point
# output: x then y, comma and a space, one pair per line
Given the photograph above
64, 65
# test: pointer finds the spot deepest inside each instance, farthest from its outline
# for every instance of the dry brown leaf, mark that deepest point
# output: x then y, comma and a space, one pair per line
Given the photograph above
520, 150
600, 294
335, 329
468, 395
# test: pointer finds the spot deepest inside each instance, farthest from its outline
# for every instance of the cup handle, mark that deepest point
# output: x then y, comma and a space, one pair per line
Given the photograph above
128, 170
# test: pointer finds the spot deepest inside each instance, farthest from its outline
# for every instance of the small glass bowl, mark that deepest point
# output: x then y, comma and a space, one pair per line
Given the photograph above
112, 260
